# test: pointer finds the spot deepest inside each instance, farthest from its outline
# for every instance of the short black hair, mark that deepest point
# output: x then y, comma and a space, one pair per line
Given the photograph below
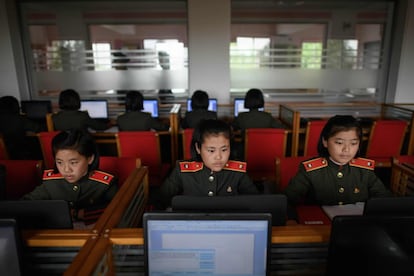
254, 99
69, 99
78, 140
134, 101
206, 128
199, 100
337, 124
9, 104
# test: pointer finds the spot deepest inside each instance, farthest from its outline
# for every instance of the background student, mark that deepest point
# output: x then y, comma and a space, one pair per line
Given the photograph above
338, 176
76, 177
210, 172
199, 110
134, 119
70, 117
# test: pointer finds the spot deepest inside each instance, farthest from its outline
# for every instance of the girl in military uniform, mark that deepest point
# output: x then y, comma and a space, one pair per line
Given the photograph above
75, 177
338, 176
210, 172
199, 110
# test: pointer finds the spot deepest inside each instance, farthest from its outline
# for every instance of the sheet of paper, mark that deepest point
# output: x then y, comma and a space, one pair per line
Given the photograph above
346, 209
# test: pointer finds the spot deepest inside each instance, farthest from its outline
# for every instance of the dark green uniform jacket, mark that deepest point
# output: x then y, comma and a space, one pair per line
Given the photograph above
320, 181
192, 118
255, 119
139, 121
92, 193
69, 119
193, 178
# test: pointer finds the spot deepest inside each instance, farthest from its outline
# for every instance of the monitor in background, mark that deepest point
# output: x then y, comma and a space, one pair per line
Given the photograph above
151, 106
275, 204
36, 110
97, 109
239, 106
10, 248
371, 245
386, 206
38, 214
207, 244
212, 104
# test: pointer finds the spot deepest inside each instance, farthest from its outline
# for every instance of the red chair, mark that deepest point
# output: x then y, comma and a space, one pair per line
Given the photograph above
261, 147
286, 168
22, 176
144, 145
121, 167
313, 132
45, 140
3, 149
187, 136
385, 141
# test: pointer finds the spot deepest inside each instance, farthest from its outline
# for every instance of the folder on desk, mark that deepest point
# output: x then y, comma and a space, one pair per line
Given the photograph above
312, 214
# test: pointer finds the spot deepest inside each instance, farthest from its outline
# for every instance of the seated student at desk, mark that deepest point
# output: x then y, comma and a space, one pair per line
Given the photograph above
199, 110
338, 176
14, 126
134, 119
76, 177
210, 172
70, 116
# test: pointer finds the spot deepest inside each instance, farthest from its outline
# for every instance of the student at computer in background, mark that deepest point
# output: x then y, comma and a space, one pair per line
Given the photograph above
255, 118
134, 119
210, 172
70, 116
76, 177
199, 110
338, 176
14, 126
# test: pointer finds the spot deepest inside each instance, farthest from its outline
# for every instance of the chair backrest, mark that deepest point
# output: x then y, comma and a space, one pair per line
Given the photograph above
386, 138
402, 175
4, 154
286, 168
45, 140
121, 167
140, 144
262, 146
22, 176
187, 135
49, 122
313, 132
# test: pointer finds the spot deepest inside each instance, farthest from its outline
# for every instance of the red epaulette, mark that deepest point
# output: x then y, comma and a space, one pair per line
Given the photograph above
236, 166
363, 163
315, 164
49, 175
100, 176
190, 166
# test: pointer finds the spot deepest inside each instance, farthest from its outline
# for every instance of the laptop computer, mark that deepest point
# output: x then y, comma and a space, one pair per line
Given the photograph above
151, 106
275, 204
383, 206
212, 104
209, 244
38, 214
97, 109
36, 109
239, 106
371, 245
11, 248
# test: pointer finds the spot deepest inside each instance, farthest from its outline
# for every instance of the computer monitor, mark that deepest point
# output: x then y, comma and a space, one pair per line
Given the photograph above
212, 104
151, 106
275, 204
10, 248
383, 206
38, 214
239, 106
36, 109
207, 244
371, 245
97, 109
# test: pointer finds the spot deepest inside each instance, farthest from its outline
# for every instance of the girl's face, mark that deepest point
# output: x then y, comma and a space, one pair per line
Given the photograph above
214, 151
72, 165
343, 146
